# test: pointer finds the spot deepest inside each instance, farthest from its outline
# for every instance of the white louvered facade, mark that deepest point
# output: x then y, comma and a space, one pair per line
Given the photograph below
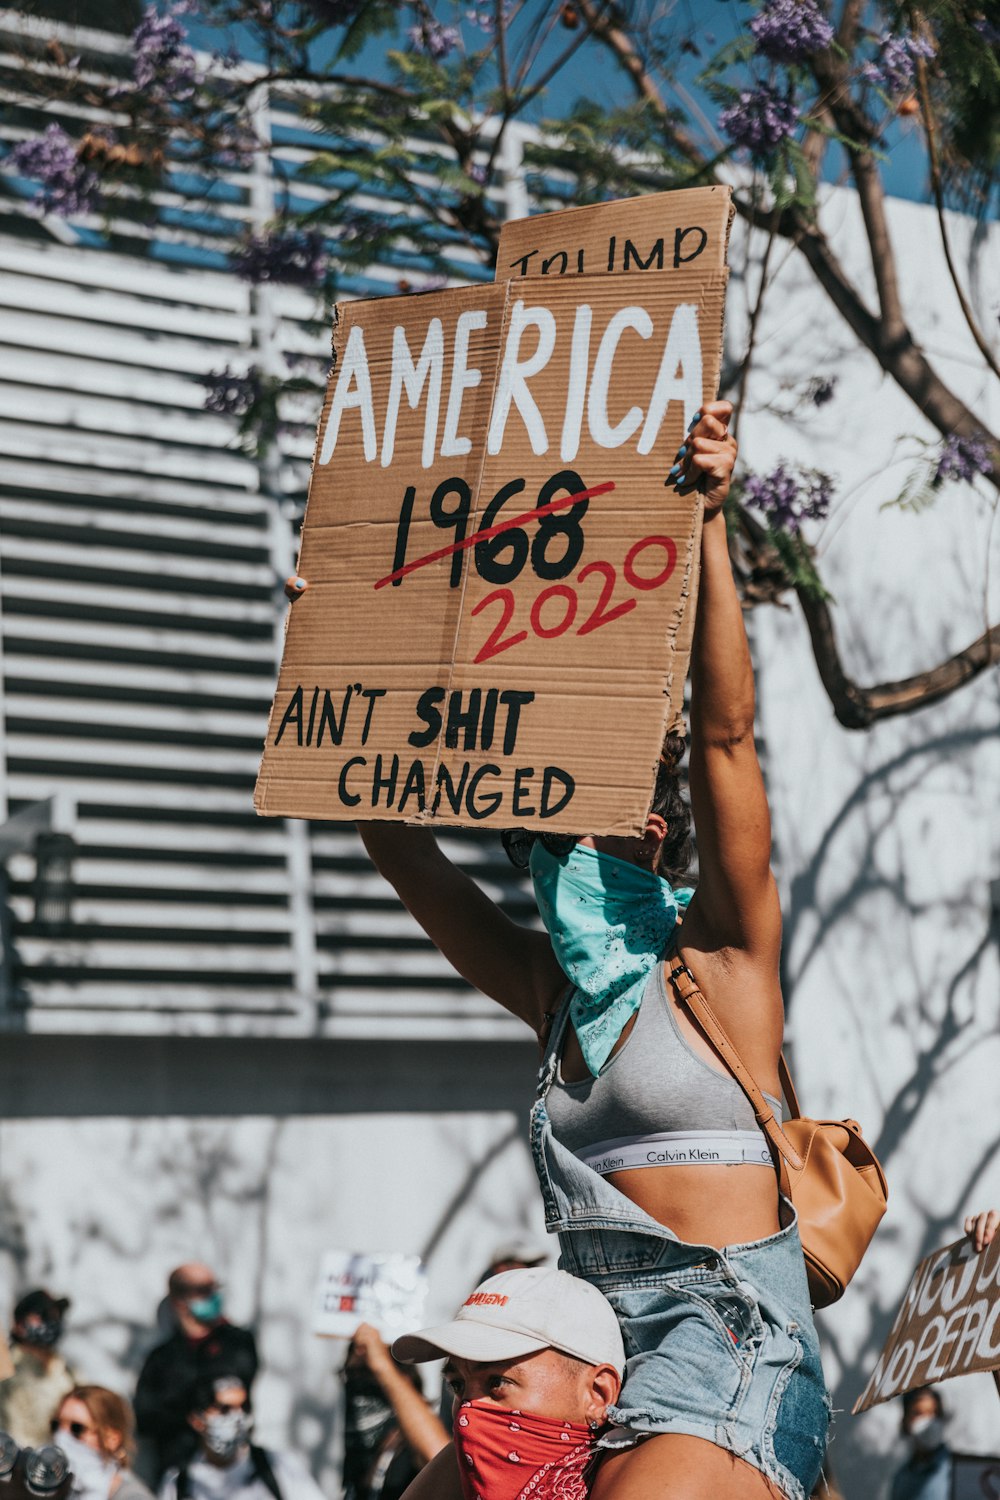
141, 561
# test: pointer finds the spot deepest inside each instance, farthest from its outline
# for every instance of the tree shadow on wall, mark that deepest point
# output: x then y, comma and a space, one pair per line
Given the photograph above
936, 1010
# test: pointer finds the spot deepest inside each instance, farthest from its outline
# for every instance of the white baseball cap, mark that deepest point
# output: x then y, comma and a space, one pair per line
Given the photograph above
520, 1312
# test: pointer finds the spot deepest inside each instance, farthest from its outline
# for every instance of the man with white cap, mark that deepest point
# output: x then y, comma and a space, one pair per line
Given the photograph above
534, 1359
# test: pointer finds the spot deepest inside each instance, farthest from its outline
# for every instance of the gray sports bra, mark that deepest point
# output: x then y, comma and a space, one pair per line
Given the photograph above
656, 1102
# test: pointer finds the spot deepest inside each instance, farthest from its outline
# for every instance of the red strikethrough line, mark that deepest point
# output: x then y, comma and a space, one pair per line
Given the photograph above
492, 531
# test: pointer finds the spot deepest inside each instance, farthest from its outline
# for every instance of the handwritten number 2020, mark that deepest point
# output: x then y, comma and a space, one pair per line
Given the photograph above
544, 618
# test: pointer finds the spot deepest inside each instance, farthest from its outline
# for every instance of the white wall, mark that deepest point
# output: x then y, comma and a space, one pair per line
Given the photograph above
289, 1150
887, 841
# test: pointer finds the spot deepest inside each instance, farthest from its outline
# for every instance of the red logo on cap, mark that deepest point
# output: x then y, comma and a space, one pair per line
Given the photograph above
486, 1299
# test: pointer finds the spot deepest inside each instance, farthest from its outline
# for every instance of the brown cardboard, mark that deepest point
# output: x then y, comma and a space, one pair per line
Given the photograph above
6, 1363
526, 680
948, 1324
661, 233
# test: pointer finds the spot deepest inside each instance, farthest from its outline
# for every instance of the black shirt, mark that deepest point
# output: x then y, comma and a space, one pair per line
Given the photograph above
162, 1395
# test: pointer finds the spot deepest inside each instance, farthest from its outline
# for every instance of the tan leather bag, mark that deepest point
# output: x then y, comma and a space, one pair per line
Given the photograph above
825, 1167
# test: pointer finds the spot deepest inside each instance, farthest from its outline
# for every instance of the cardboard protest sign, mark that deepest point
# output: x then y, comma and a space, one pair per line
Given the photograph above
974, 1478
495, 627
388, 1291
662, 232
948, 1324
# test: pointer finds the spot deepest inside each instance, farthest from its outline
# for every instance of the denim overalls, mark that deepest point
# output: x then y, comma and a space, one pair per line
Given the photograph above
720, 1343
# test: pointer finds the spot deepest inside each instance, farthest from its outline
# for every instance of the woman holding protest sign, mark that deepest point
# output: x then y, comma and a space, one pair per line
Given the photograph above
652, 1167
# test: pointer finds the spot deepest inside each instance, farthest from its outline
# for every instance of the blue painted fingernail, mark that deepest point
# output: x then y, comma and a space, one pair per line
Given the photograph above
694, 420
674, 472
681, 452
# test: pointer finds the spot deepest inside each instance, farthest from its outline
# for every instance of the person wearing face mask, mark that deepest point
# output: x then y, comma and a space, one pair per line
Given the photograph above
390, 1432
654, 1171
41, 1376
95, 1430
534, 1361
204, 1344
926, 1474
227, 1465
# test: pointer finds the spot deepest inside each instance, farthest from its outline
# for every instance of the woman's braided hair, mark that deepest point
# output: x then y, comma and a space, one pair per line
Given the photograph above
668, 801
671, 804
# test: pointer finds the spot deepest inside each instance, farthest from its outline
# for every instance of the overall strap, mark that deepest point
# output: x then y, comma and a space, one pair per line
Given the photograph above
264, 1471
690, 995
554, 1040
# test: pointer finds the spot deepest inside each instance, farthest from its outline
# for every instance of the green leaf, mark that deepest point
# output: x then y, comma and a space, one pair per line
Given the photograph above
797, 559
918, 493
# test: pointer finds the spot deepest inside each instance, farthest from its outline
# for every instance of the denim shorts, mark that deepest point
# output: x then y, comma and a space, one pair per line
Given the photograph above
720, 1343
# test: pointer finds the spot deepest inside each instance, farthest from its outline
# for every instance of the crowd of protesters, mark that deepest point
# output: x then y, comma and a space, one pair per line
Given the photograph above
191, 1412
186, 1434
193, 1409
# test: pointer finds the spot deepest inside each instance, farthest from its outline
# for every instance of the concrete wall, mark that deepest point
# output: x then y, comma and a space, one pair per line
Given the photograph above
887, 841
119, 1158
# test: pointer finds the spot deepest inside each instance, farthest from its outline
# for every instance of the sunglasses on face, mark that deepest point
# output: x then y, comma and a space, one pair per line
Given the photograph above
75, 1429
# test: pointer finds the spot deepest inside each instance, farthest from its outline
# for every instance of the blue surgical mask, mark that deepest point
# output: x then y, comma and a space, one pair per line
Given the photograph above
610, 923
206, 1309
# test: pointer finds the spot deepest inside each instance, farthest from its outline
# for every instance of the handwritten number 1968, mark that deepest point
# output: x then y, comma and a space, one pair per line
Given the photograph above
545, 619
500, 559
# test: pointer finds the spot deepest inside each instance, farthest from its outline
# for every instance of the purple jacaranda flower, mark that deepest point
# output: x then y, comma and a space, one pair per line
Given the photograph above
786, 498
434, 39
477, 171
788, 31
893, 64
961, 458
759, 120
231, 393
483, 16
163, 65
821, 388
296, 257
67, 186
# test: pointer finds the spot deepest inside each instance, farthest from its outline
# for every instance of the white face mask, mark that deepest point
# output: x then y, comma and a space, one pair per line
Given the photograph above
926, 1434
225, 1433
92, 1471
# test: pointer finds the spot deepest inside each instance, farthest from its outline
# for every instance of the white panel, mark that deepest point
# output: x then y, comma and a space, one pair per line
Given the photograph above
92, 485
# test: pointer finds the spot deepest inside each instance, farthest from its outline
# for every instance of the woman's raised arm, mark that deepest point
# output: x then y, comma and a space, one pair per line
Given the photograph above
512, 964
736, 905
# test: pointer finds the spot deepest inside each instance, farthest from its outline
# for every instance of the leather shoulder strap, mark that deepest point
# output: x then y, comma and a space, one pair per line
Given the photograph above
788, 1089
689, 993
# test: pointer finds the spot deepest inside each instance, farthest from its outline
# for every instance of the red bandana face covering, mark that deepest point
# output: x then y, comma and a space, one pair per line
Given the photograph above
513, 1455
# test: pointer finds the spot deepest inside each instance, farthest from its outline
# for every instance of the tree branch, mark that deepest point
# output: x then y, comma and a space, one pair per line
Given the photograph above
898, 355
857, 707
830, 72
935, 173
889, 339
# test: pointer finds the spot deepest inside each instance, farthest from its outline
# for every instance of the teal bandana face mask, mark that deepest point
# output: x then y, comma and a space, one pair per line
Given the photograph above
206, 1309
610, 923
